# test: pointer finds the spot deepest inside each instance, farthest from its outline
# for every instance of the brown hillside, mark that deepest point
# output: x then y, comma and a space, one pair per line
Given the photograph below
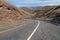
44, 13
9, 14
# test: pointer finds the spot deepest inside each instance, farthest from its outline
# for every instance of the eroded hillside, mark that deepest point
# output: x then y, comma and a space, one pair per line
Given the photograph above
44, 13
9, 14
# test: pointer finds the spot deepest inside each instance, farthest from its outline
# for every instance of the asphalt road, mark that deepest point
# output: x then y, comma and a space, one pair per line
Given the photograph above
47, 31
44, 31
20, 33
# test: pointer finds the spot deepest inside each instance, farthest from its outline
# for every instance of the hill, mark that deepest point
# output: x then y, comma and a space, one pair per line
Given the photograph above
43, 13
9, 14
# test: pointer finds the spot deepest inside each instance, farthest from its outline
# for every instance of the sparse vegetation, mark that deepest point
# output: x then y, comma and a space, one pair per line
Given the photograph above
44, 13
56, 19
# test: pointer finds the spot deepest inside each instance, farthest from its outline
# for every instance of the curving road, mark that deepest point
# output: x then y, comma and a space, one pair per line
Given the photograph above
31, 30
47, 31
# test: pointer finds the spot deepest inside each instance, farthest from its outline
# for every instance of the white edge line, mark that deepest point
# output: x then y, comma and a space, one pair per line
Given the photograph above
34, 31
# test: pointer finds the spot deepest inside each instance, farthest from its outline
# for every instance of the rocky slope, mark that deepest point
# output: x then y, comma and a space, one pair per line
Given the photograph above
44, 13
9, 14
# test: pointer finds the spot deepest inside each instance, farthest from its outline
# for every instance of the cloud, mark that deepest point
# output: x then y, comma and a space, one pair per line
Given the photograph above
34, 2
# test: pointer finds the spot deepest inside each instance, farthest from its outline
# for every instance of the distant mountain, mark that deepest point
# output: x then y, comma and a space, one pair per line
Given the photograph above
44, 13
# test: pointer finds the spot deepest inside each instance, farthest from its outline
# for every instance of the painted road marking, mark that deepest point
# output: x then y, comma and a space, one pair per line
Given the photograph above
34, 31
11, 29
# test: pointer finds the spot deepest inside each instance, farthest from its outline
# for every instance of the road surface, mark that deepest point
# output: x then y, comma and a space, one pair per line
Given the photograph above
32, 30
47, 31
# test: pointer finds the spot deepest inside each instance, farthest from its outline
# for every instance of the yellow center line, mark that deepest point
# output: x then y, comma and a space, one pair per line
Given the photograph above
4, 31
7, 30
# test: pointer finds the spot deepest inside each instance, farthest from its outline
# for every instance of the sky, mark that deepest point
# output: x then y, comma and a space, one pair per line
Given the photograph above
34, 3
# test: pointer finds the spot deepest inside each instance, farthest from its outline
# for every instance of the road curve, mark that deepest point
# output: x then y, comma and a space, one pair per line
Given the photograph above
44, 31
47, 31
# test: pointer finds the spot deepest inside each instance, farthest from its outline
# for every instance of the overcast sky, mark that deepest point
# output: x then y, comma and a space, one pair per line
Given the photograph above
34, 3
